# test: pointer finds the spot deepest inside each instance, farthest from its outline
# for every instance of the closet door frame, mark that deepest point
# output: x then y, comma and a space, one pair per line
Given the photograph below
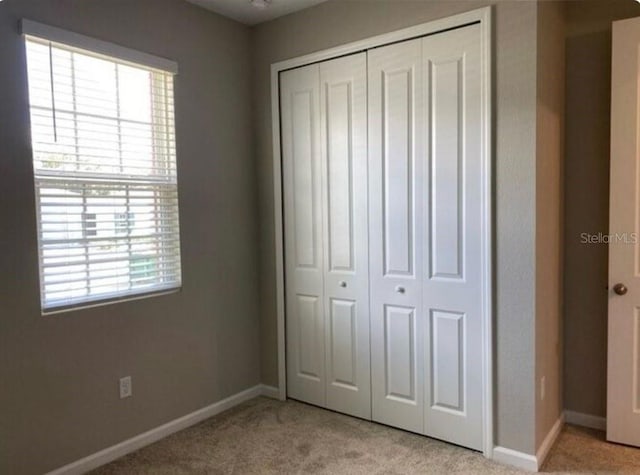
483, 17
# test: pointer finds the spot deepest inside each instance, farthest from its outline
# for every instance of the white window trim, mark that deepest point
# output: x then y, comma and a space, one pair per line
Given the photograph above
69, 38
88, 45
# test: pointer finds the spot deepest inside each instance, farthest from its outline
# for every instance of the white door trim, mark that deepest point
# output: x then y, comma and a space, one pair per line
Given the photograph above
483, 17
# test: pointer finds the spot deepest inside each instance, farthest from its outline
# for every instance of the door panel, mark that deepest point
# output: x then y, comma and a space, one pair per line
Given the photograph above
339, 118
302, 179
344, 344
447, 360
307, 343
397, 184
445, 118
346, 256
454, 271
399, 353
623, 377
396, 141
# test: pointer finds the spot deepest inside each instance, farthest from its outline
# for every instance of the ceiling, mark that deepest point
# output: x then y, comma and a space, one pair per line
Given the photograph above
244, 12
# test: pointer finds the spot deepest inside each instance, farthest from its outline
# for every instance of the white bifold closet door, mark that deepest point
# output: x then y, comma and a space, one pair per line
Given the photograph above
383, 209
425, 200
324, 152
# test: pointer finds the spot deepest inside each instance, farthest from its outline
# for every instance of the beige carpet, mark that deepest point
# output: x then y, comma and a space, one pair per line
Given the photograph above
273, 437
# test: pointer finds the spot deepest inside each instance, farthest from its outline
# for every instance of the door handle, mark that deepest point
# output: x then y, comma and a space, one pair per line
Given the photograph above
620, 289
400, 289
342, 283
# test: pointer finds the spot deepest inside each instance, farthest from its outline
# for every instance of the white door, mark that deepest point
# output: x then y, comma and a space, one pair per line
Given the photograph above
343, 109
304, 260
397, 133
324, 132
426, 229
453, 267
623, 383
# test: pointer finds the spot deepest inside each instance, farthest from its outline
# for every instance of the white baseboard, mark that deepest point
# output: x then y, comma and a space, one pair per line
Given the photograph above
585, 420
532, 463
269, 391
515, 458
130, 445
549, 440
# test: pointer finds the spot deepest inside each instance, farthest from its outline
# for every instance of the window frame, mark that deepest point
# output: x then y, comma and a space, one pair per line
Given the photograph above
119, 55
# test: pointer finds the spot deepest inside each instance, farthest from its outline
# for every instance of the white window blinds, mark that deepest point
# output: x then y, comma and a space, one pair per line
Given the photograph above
105, 175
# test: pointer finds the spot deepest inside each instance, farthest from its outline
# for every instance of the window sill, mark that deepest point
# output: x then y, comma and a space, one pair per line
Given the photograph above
109, 301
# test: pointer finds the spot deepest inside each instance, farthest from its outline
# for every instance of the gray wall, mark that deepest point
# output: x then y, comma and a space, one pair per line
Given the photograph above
588, 100
338, 22
58, 374
549, 210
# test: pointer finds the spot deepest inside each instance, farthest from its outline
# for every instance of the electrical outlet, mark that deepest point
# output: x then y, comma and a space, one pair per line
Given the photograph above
125, 387
543, 389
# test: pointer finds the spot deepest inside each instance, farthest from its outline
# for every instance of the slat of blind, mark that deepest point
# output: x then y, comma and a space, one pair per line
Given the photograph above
85, 162
140, 139
104, 276
120, 208
93, 278
126, 268
107, 281
169, 261
56, 268
51, 153
89, 246
62, 256
96, 116
142, 263
96, 251
132, 240
67, 74
43, 120
102, 193
99, 275
66, 99
108, 240
56, 218
124, 280
104, 281
53, 178
53, 186
92, 150
102, 106
78, 277
169, 223
77, 274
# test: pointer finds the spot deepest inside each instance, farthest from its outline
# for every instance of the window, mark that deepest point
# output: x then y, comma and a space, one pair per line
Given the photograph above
105, 170
89, 224
122, 222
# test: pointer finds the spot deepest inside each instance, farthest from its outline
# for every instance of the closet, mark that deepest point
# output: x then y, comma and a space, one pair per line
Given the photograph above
383, 186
